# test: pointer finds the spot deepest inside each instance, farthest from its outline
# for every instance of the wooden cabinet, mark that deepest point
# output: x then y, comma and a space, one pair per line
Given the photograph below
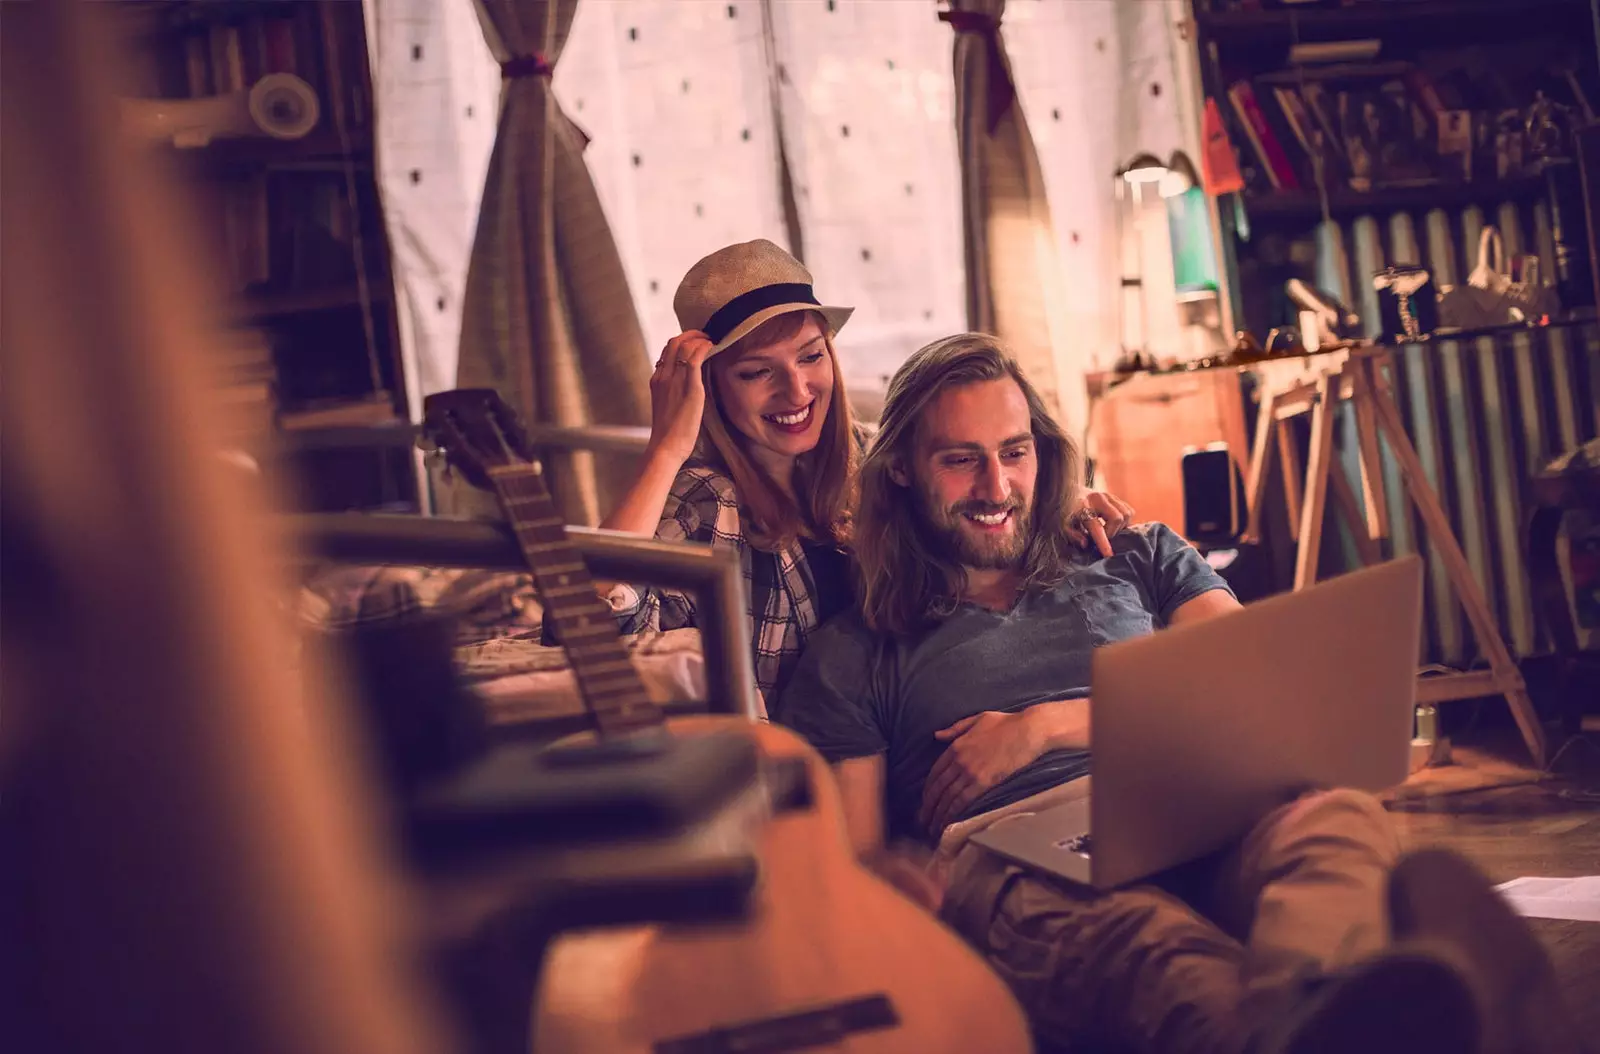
1140, 426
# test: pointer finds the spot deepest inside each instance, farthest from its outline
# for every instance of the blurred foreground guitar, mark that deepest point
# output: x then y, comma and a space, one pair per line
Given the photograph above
829, 957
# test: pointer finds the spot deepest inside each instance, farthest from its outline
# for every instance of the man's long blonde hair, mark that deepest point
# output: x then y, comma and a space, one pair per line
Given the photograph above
824, 477
906, 580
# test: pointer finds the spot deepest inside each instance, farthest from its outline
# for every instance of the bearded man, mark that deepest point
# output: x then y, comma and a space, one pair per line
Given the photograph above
958, 694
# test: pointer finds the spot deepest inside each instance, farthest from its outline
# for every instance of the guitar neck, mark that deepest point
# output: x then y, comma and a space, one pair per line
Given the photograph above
606, 676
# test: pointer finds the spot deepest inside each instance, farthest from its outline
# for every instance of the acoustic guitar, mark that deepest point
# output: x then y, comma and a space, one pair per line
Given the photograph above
828, 957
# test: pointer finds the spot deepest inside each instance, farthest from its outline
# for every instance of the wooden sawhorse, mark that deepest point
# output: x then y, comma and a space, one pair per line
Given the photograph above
1360, 379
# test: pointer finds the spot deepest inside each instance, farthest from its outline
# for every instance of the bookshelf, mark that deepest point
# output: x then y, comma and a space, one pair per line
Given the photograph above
1339, 110
295, 227
1433, 21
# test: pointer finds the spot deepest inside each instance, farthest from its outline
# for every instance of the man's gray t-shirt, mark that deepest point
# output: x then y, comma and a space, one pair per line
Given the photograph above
857, 694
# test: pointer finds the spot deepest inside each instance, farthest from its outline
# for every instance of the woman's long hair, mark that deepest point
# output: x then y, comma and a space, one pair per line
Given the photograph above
907, 580
824, 477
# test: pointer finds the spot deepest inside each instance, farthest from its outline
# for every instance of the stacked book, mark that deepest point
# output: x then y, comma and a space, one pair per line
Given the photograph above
247, 384
1350, 123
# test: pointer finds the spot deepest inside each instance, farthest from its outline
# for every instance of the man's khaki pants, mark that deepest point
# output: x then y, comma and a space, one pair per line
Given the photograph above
1193, 959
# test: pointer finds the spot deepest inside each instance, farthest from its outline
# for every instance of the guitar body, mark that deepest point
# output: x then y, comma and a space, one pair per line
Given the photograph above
822, 931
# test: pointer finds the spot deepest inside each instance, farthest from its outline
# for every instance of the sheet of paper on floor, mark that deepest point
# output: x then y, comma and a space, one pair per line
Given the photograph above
1555, 898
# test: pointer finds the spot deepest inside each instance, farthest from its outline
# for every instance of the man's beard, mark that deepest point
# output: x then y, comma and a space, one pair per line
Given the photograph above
966, 545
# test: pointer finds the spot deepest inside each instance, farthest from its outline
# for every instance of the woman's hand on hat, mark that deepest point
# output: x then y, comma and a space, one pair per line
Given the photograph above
1099, 517
678, 395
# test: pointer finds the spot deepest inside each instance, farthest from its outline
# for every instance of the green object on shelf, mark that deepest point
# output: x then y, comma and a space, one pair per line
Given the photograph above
1194, 261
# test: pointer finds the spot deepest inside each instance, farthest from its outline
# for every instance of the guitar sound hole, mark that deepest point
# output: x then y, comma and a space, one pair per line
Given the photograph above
789, 784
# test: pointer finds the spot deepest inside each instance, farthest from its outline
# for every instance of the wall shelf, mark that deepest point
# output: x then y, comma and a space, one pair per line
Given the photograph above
1305, 207
1430, 23
277, 304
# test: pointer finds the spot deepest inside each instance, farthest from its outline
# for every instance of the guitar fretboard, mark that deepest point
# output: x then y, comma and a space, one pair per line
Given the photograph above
588, 629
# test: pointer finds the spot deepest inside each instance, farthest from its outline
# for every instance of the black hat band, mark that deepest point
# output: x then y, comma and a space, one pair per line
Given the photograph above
730, 315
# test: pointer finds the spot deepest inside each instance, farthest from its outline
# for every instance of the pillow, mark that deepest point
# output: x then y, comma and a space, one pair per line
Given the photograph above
497, 618
484, 604
521, 681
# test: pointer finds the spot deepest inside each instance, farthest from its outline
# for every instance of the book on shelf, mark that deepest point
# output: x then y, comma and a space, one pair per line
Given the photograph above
1269, 152
1319, 148
247, 231
278, 233
1323, 111
214, 49
245, 356
313, 232
246, 382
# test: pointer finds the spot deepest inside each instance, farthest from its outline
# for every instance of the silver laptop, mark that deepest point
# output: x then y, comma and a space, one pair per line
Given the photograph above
1200, 730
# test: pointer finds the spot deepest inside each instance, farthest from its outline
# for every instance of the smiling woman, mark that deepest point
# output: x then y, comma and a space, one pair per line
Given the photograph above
766, 464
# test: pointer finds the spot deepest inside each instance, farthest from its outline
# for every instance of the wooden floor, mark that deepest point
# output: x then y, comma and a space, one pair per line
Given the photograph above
1546, 828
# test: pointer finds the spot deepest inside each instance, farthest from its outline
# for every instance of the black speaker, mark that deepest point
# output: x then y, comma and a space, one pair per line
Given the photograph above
1214, 510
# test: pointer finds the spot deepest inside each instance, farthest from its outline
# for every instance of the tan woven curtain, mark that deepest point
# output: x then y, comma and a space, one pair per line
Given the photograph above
548, 319
1014, 280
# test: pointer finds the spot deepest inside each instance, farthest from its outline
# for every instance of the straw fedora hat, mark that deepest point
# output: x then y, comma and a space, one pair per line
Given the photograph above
736, 289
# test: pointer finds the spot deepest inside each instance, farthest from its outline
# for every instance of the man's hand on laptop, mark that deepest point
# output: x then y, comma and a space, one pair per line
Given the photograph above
988, 747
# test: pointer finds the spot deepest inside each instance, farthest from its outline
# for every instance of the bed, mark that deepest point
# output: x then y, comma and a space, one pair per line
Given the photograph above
497, 620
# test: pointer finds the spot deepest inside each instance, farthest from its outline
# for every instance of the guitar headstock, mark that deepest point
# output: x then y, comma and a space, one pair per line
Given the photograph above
477, 431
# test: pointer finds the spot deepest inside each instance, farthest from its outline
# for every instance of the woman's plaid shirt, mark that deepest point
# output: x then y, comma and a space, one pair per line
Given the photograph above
704, 507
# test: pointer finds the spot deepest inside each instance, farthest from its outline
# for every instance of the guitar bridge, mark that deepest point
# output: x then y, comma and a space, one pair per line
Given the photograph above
809, 1028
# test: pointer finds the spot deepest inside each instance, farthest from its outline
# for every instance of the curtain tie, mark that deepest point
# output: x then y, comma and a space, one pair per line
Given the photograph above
1002, 91
535, 65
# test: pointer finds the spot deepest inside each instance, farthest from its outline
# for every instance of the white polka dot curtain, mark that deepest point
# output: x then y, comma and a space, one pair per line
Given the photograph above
438, 92
867, 102
674, 96
825, 125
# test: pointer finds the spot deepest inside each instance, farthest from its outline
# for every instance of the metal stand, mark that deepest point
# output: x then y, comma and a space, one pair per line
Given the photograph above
1360, 379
